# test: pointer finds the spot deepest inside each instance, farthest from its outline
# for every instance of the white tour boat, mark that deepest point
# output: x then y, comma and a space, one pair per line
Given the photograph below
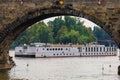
42, 50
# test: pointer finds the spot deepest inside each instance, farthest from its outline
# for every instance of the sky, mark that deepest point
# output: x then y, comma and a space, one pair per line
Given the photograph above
87, 23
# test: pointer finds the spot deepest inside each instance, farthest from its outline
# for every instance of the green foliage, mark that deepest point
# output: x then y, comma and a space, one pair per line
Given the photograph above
70, 22
57, 23
67, 30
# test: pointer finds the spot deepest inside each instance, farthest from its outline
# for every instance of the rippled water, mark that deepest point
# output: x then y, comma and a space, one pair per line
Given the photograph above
73, 68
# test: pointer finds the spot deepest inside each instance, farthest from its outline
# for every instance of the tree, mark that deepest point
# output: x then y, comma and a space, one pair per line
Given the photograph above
67, 30
57, 23
44, 33
62, 31
70, 22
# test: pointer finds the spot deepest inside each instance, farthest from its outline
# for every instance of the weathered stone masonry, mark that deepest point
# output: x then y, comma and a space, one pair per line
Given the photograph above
15, 18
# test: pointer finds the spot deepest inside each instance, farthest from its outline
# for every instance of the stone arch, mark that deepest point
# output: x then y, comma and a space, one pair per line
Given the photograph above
11, 27
20, 24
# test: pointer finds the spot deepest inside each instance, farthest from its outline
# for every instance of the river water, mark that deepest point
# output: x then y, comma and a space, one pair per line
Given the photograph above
72, 68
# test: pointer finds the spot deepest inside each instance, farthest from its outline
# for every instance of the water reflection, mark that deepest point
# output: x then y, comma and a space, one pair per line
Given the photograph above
4, 75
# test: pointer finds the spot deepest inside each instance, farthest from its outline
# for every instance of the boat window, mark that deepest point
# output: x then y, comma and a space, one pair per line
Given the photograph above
104, 48
100, 49
86, 49
80, 49
107, 48
50, 49
43, 48
47, 49
94, 49
53, 49
97, 49
91, 49
20, 50
66, 49
61, 48
58, 48
24, 47
53, 54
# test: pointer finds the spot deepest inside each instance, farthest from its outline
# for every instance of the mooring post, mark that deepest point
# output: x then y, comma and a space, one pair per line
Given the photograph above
119, 70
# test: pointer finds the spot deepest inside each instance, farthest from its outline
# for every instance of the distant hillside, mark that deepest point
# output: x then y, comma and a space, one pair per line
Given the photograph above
103, 37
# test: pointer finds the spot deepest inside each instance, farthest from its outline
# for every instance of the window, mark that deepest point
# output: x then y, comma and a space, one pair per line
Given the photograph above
94, 49
55, 48
109, 48
104, 48
20, 50
97, 49
91, 49
115, 49
86, 49
100, 49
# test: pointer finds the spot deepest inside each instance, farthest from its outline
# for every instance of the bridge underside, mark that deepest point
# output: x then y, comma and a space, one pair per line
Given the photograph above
15, 18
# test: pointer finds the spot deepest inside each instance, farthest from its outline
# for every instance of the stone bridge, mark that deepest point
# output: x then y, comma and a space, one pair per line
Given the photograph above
16, 16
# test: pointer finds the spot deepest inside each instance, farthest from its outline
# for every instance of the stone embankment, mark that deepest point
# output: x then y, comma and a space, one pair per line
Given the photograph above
6, 64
